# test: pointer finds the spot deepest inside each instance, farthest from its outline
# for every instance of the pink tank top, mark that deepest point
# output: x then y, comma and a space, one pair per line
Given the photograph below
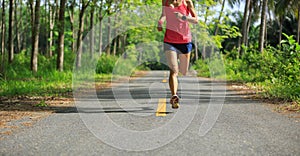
177, 31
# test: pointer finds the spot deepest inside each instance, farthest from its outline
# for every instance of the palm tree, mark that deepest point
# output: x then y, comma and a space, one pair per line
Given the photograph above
244, 25
250, 14
263, 26
280, 12
254, 10
293, 6
246, 22
220, 16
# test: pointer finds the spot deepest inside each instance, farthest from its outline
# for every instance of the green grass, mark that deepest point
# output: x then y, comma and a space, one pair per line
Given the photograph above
103, 78
51, 83
18, 79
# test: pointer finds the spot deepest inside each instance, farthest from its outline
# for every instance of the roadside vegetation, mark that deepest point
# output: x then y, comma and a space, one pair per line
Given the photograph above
18, 79
38, 57
275, 73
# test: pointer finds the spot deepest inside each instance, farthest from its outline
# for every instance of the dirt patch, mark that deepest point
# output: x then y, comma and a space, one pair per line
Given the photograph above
244, 90
289, 108
23, 111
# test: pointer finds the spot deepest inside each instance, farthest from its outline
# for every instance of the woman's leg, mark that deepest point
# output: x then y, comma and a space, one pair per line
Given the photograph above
173, 65
184, 63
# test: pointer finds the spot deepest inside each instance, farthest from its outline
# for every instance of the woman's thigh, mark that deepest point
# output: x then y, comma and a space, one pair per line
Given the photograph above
184, 60
172, 60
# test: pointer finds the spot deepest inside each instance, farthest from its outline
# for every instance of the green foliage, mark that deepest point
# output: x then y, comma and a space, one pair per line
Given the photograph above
276, 70
106, 64
284, 81
211, 67
20, 80
202, 67
124, 67
227, 32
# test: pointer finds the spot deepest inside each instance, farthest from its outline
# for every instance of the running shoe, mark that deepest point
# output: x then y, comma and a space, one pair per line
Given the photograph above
174, 101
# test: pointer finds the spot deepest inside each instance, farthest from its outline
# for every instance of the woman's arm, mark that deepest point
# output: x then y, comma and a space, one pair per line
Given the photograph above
191, 19
162, 17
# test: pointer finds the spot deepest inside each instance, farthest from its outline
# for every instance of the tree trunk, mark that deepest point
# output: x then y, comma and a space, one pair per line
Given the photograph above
47, 21
120, 44
219, 19
56, 10
108, 36
115, 46
10, 32
298, 29
280, 29
52, 17
71, 14
18, 47
21, 26
100, 27
92, 36
115, 35
204, 46
35, 37
244, 27
124, 43
263, 26
100, 35
249, 23
196, 47
79, 40
2, 37
61, 36
196, 39
80, 34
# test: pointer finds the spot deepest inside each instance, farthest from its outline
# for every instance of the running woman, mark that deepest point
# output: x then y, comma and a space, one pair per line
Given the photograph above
177, 40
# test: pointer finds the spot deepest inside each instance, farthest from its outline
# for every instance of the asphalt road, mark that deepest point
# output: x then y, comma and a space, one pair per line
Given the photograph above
135, 118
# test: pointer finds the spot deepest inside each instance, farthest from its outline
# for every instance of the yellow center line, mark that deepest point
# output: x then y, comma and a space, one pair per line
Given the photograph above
162, 102
165, 78
161, 108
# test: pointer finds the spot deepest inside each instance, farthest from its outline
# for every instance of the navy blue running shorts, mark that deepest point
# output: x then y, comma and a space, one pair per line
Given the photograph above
184, 48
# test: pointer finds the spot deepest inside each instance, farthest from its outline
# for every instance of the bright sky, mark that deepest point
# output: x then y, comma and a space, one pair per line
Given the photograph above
238, 7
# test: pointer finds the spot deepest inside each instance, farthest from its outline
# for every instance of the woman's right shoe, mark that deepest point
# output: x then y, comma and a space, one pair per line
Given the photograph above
174, 101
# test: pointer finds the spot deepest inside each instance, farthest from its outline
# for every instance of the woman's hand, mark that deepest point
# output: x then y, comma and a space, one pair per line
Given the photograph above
159, 25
